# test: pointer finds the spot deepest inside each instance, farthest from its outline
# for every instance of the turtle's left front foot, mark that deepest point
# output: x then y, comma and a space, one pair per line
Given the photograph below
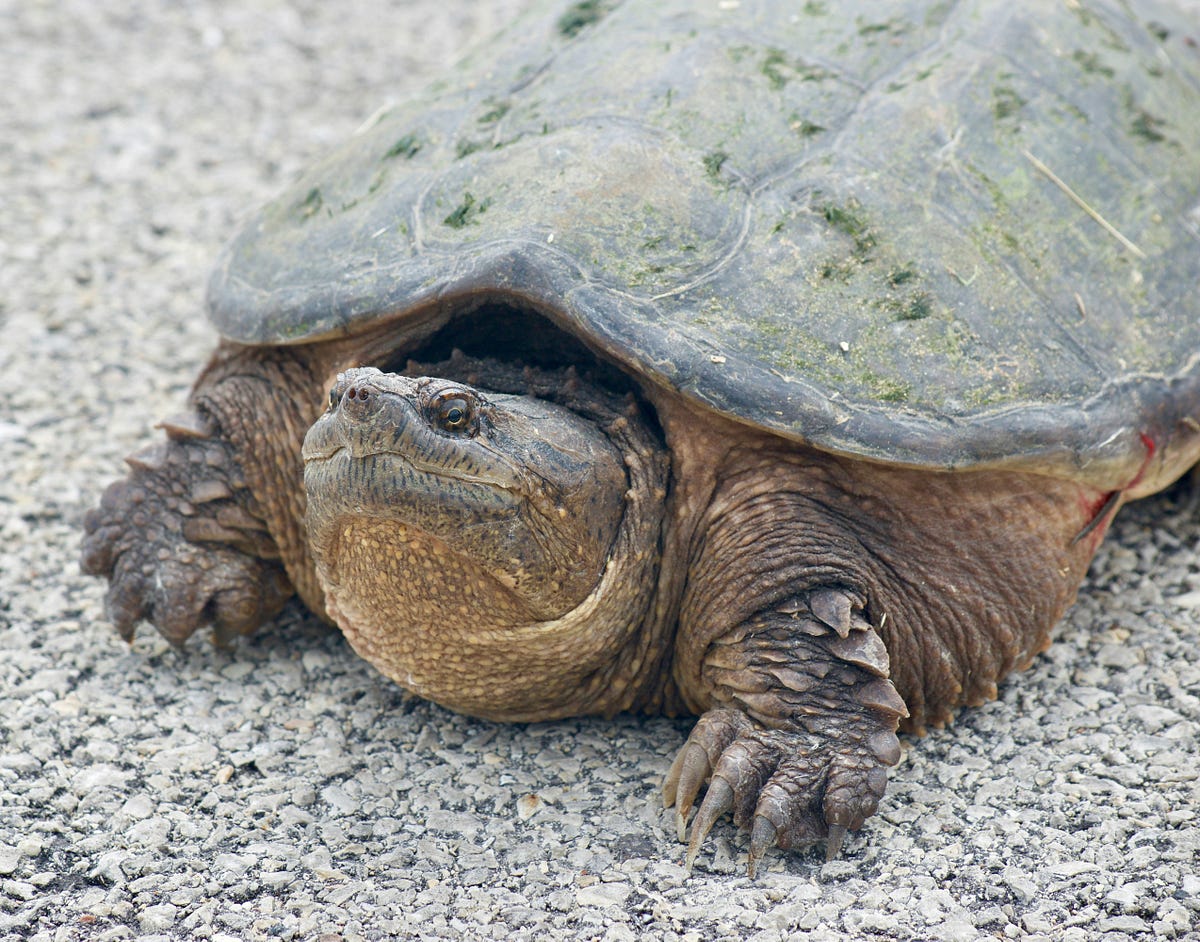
800, 752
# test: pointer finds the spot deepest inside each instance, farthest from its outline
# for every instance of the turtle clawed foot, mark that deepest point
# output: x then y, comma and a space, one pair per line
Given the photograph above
790, 789
159, 577
178, 551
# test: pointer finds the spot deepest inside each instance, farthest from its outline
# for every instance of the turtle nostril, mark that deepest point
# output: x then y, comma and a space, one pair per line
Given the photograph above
357, 402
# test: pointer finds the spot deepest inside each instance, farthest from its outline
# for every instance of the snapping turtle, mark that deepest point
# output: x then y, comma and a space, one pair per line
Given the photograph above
783, 364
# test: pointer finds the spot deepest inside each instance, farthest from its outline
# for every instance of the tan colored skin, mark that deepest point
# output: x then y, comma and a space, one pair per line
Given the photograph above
805, 604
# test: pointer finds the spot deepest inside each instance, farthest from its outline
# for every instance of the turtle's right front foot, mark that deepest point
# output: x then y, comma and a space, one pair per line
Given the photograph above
177, 544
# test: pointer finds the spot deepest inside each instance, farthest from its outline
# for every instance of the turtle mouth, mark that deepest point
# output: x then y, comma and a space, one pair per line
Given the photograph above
324, 451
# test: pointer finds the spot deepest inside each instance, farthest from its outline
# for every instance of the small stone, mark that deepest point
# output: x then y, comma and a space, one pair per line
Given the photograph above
153, 833
10, 859
1018, 881
1126, 896
185, 759
477, 876
1153, 717
1071, 868
1123, 924
338, 800
1037, 922
138, 807
1119, 656
1187, 600
20, 889
234, 864
958, 927
603, 894
321, 864
562, 901
834, 871
303, 796
527, 805
237, 671
110, 866
158, 918
95, 777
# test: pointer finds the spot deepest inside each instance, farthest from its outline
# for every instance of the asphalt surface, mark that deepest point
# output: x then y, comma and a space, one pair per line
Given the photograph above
285, 790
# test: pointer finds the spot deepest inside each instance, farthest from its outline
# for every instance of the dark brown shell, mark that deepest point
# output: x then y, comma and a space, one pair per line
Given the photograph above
948, 235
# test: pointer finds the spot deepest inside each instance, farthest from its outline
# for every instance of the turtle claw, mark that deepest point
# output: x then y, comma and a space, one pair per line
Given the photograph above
693, 764
762, 839
833, 843
125, 605
689, 772
717, 800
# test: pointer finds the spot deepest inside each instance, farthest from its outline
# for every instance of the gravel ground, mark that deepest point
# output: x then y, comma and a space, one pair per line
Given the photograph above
284, 790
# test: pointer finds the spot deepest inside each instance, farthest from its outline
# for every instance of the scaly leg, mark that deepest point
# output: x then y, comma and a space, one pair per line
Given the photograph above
799, 747
181, 540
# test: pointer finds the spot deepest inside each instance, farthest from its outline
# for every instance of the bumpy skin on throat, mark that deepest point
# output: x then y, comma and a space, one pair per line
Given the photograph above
520, 545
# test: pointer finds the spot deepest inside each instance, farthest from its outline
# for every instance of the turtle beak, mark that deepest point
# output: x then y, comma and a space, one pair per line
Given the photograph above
366, 414
324, 439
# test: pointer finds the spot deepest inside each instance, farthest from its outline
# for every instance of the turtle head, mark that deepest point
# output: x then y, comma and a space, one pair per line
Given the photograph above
472, 545
517, 496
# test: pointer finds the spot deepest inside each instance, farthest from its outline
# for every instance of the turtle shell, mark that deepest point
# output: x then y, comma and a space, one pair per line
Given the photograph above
944, 235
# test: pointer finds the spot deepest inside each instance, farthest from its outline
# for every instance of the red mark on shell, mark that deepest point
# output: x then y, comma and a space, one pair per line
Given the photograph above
1103, 509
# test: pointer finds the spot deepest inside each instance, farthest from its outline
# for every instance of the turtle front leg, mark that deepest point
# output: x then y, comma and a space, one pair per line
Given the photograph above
207, 529
182, 542
798, 743
831, 601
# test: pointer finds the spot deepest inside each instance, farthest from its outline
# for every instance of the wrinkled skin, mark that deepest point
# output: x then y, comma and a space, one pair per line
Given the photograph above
525, 545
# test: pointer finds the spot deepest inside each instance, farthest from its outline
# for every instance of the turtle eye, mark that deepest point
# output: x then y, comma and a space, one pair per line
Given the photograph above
453, 414
334, 398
